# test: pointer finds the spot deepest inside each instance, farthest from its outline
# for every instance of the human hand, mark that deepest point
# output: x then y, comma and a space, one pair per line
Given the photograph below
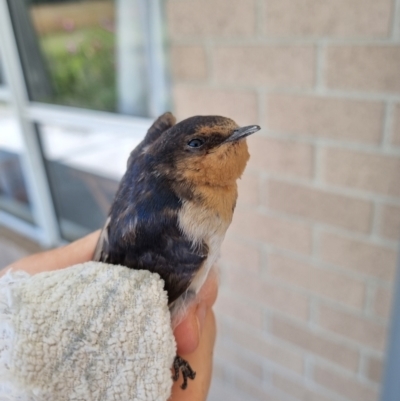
195, 335
195, 339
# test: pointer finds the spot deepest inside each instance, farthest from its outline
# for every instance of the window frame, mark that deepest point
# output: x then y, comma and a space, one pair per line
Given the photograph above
29, 114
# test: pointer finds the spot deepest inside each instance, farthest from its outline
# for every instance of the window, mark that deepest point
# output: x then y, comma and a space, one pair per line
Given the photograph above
87, 77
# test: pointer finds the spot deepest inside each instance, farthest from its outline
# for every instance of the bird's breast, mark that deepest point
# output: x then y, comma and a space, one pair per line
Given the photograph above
206, 220
209, 213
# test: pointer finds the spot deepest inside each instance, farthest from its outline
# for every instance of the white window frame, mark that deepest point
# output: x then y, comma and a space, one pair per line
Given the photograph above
29, 113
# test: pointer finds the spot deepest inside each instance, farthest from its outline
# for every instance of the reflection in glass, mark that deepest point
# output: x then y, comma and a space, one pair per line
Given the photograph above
88, 53
13, 192
67, 48
84, 168
81, 65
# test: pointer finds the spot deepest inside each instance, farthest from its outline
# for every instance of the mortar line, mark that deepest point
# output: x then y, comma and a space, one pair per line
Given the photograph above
371, 148
260, 20
335, 189
395, 28
261, 103
369, 299
387, 127
208, 47
320, 67
376, 217
297, 349
317, 263
318, 164
350, 94
289, 40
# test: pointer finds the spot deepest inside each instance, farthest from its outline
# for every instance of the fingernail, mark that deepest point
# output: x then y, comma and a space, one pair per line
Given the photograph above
201, 312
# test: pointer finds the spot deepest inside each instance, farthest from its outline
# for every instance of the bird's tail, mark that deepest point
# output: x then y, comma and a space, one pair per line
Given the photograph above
180, 306
102, 247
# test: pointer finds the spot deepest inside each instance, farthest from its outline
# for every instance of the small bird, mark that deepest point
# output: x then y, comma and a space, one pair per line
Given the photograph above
174, 205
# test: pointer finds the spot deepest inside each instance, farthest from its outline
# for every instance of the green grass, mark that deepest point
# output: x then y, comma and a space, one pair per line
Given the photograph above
82, 68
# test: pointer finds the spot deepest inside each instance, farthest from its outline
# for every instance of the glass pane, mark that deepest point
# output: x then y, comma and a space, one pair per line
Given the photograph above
13, 192
83, 53
84, 169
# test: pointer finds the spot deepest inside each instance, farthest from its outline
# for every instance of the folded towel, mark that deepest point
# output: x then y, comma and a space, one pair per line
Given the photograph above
89, 332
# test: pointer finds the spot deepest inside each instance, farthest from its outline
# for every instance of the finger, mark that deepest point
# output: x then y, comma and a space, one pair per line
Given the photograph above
187, 333
201, 362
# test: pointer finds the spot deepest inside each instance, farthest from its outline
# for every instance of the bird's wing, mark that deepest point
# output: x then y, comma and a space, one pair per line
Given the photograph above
162, 124
143, 233
102, 247
160, 247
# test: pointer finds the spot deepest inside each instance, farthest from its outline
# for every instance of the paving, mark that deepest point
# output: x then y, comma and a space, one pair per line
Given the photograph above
14, 247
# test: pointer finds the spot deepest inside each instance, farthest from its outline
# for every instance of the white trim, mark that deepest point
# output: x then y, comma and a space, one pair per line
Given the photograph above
28, 113
22, 227
32, 161
153, 26
83, 118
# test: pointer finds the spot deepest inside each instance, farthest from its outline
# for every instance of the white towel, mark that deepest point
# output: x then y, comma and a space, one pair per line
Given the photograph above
90, 332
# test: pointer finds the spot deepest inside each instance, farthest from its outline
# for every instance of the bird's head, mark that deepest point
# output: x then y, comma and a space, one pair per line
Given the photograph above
204, 150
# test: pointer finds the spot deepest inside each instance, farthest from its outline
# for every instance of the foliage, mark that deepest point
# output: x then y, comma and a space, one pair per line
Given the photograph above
82, 68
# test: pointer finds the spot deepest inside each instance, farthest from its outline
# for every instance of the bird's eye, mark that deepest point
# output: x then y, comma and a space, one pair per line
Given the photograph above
196, 143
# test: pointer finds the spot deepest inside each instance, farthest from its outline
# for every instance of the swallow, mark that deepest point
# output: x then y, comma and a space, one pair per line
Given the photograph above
174, 205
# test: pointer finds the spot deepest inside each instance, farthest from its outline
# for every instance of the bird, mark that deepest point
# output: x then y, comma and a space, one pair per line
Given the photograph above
174, 205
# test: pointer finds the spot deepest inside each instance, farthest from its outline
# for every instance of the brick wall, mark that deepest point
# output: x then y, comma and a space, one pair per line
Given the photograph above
308, 264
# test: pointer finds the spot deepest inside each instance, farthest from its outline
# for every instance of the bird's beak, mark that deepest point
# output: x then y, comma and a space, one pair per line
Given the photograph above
242, 133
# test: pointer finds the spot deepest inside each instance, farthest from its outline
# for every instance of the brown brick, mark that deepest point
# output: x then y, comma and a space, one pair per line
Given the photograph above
210, 17
223, 328
363, 257
383, 302
358, 18
396, 126
323, 282
280, 232
266, 349
297, 390
238, 105
348, 120
366, 171
232, 356
248, 188
236, 253
281, 156
338, 210
344, 385
365, 68
275, 66
219, 371
268, 294
220, 390
374, 369
390, 222
311, 341
361, 330
254, 390
229, 305
188, 62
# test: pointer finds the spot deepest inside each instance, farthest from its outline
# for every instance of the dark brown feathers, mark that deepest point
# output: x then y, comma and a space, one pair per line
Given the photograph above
176, 200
